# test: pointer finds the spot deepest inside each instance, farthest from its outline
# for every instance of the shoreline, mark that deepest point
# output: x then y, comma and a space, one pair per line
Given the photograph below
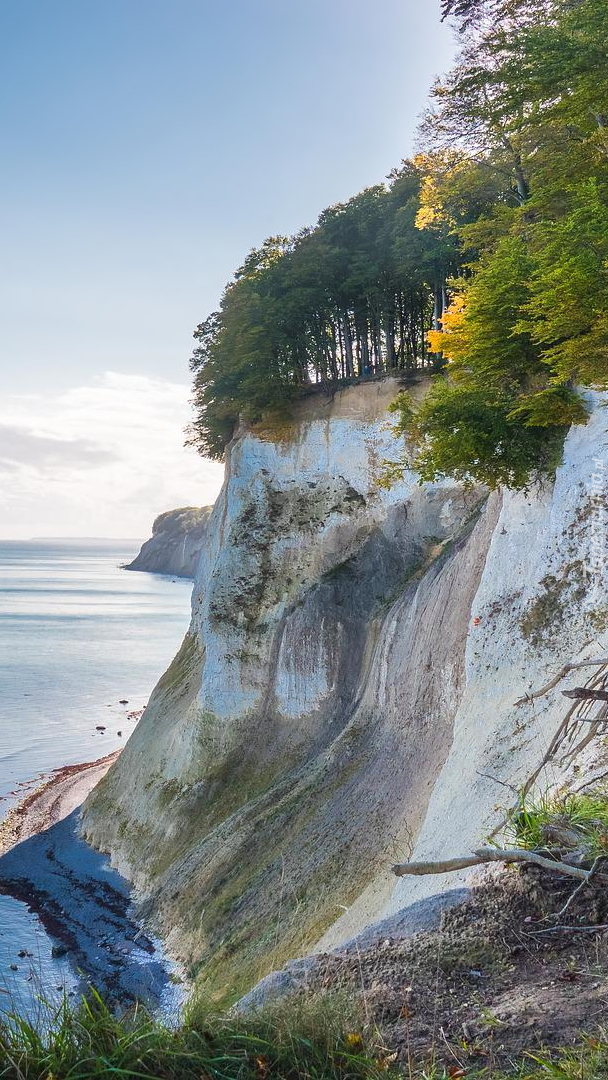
86, 907
54, 799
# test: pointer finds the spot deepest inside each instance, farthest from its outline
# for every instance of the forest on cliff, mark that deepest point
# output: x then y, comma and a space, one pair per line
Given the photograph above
483, 259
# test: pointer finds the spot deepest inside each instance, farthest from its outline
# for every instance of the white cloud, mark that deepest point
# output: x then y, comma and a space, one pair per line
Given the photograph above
99, 460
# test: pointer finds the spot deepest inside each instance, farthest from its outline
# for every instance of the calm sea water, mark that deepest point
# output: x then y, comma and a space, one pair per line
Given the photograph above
77, 635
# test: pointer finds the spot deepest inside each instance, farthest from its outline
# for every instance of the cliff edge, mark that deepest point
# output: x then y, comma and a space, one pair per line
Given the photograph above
369, 673
176, 542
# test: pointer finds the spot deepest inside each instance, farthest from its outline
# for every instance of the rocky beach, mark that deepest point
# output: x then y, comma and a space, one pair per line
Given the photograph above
85, 907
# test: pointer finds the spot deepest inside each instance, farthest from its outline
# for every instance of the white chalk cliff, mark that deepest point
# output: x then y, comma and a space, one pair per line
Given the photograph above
176, 543
346, 693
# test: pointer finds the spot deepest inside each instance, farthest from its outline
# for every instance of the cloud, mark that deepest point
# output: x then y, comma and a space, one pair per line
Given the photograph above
19, 447
102, 459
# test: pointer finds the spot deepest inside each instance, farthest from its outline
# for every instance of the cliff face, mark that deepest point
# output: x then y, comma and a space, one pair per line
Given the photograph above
350, 671
176, 542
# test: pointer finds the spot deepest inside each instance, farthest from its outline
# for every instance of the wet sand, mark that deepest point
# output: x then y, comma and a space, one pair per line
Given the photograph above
84, 905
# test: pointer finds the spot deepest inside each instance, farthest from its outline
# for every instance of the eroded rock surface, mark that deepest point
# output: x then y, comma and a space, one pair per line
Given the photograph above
351, 669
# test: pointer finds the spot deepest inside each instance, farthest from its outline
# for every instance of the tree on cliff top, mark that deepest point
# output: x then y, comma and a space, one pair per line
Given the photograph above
527, 321
350, 298
502, 216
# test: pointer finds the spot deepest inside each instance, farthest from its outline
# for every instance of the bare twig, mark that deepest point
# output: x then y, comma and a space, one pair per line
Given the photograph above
487, 855
601, 859
583, 693
590, 783
569, 929
560, 675
503, 783
566, 732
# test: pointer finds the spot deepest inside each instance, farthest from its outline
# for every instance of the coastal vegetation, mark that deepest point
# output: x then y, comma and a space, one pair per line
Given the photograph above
484, 260
352, 297
312, 1040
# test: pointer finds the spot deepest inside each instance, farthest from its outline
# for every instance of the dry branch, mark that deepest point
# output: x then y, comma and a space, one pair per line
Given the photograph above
598, 863
487, 855
560, 675
569, 929
583, 693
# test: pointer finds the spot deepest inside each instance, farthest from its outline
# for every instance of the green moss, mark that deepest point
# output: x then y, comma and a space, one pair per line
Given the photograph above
184, 664
168, 792
599, 619
544, 617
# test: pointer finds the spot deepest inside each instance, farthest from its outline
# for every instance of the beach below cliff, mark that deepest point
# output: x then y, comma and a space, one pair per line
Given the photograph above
85, 907
62, 792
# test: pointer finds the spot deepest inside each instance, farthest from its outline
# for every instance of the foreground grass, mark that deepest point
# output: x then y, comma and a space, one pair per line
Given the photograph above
297, 1042
89, 1041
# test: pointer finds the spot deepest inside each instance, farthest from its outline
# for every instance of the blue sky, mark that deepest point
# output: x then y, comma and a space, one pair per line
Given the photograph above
148, 144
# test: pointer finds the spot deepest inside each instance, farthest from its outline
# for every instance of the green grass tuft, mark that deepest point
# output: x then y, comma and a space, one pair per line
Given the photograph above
305, 1039
282, 1044
574, 820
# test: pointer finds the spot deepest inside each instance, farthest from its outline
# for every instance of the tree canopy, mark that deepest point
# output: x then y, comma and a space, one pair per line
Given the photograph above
352, 297
526, 108
485, 257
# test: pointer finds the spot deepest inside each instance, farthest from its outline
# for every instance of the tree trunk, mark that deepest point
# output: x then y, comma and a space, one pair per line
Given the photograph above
348, 345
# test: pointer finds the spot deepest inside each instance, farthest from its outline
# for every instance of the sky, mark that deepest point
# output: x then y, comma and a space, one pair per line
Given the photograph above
147, 145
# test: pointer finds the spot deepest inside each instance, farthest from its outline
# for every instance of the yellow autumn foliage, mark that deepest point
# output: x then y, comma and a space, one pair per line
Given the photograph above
444, 340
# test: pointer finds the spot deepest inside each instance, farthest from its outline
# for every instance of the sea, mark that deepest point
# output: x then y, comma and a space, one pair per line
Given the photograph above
82, 644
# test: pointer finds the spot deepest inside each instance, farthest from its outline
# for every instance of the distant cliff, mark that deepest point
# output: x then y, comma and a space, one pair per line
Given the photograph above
176, 542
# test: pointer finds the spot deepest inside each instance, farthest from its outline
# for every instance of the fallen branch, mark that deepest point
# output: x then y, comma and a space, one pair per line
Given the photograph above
560, 675
488, 855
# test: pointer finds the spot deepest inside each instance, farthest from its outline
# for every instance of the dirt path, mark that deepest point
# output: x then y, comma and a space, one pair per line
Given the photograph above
52, 801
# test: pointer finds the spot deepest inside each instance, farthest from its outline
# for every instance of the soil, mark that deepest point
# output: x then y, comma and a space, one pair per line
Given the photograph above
501, 976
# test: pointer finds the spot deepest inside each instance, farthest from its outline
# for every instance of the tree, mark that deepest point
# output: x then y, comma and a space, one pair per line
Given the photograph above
527, 320
350, 298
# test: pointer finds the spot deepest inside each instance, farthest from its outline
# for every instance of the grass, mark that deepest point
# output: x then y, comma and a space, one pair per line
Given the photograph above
587, 1061
298, 1041
305, 1042
574, 820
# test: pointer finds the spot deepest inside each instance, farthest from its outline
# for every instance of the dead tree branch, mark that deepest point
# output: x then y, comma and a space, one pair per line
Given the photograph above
561, 675
488, 855
600, 861
583, 693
